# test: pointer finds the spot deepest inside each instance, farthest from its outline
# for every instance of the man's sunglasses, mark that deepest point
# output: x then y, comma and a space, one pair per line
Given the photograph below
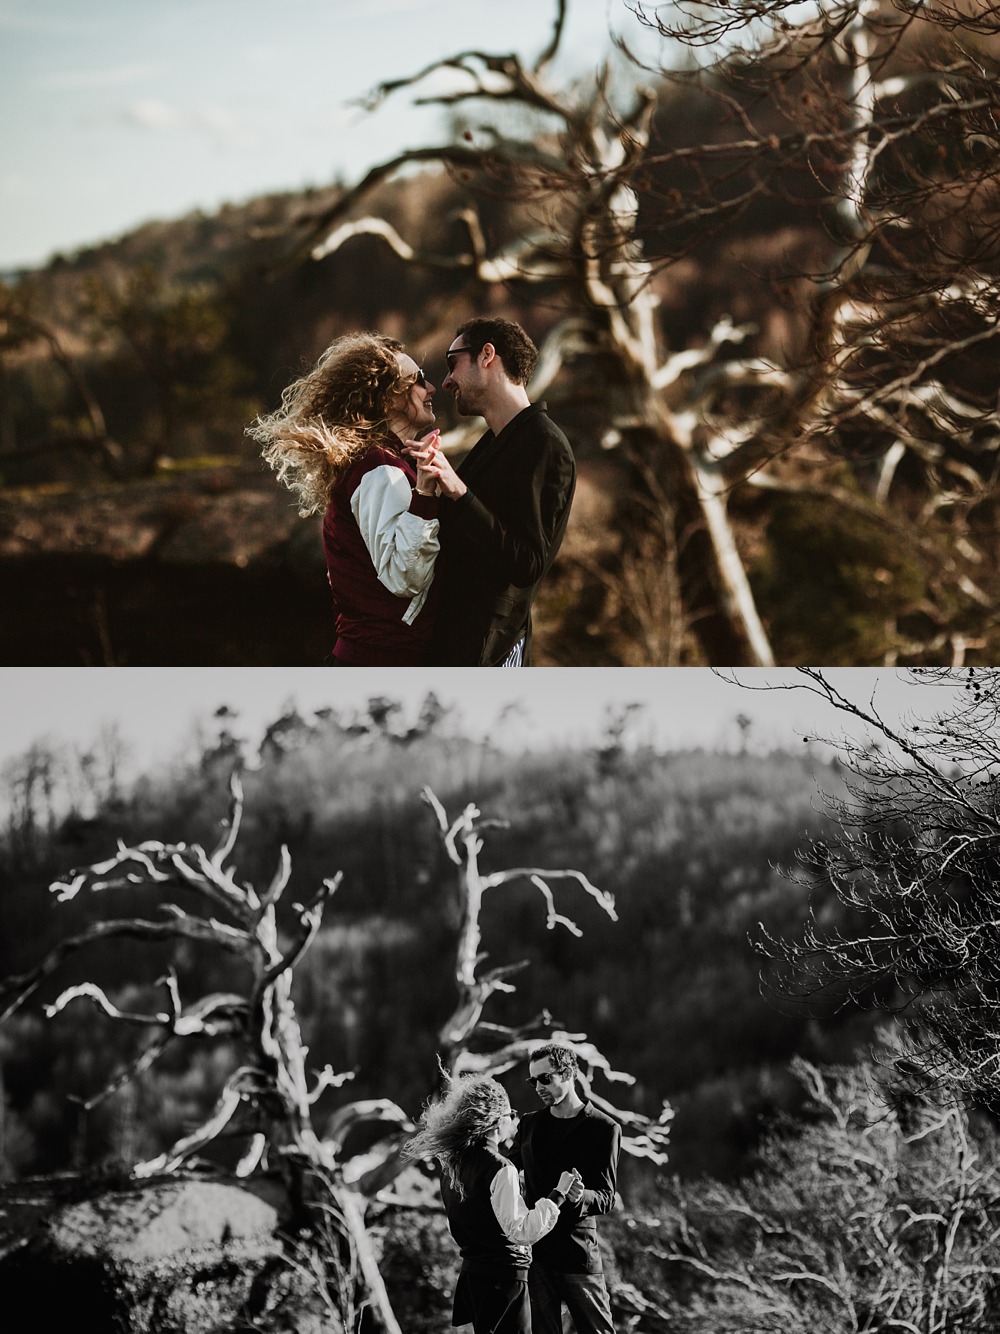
457, 352
542, 1079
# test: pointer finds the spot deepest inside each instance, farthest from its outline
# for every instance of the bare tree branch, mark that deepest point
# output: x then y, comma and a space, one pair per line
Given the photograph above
912, 864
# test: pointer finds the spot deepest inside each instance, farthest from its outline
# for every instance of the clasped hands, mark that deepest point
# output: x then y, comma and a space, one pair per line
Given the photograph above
570, 1184
435, 475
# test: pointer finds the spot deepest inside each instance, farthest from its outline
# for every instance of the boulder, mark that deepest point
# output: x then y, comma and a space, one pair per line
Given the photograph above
193, 569
175, 1256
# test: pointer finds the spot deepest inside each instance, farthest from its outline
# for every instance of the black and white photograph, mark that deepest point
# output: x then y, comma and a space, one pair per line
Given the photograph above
328, 1000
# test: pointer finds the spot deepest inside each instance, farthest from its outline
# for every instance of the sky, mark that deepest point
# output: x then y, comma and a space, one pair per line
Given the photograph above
117, 112
156, 709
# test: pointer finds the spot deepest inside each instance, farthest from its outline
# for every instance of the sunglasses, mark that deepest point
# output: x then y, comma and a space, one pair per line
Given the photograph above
420, 379
457, 352
542, 1079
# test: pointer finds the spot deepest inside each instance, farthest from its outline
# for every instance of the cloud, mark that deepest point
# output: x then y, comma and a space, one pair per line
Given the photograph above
151, 114
214, 122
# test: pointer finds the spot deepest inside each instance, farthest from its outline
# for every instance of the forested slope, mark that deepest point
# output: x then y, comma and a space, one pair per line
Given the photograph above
690, 844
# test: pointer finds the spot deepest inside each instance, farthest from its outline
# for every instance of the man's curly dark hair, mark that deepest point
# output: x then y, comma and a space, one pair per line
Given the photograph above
514, 348
563, 1059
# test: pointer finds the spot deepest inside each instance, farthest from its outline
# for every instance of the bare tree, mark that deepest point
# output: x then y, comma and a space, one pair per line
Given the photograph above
267, 1101
578, 181
913, 868
469, 1043
879, 118
862, 1216
871, 124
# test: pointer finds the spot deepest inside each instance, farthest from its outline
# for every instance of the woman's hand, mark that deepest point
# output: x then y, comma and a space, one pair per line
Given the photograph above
421, 452
565, 1183
435, 465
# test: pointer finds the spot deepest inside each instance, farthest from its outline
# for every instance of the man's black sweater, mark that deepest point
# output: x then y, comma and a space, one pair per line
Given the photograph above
500, 538
547, 1145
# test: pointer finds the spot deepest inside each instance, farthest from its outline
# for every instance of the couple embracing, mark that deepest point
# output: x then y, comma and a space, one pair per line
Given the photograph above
525, 1256
426, 564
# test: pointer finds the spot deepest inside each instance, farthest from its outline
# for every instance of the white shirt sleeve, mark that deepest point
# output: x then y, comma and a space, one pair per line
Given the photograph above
403, 547
520, 1224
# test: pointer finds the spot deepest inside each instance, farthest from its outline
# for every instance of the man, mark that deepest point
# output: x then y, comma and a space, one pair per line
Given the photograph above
568, 1133
505, 510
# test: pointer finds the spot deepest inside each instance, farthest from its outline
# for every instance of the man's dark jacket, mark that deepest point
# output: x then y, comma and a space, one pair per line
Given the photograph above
547, 1145
499, 539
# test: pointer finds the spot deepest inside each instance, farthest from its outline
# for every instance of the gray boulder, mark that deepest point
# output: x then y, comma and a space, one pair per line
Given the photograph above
173, 1256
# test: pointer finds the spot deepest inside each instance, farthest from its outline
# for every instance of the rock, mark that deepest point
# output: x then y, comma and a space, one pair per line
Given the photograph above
184, 519
174, 1256
177, 570
137, 1228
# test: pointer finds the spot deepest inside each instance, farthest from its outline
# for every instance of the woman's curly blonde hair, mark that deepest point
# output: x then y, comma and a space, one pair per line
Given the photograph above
329, 417
456, 1121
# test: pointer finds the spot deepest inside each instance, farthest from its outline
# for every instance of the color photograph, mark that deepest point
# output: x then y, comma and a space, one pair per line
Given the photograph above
585, 334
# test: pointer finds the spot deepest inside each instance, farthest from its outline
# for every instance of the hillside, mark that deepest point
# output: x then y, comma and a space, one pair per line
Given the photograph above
164, 540
124, 512
689, 843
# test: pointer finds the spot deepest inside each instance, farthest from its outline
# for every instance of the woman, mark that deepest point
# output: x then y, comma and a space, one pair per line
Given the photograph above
336, 442
488, 1218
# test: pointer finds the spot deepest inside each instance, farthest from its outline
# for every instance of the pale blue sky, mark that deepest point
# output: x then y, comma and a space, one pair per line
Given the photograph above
115, 112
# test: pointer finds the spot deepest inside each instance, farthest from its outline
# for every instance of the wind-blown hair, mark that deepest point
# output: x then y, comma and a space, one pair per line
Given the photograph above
455, 1122
331, 416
